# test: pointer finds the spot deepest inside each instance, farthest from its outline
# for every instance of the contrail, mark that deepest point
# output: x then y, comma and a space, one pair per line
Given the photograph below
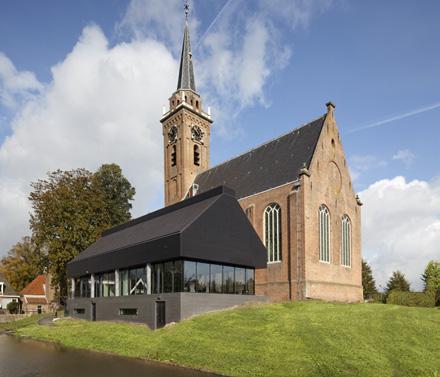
397, 117
214, 21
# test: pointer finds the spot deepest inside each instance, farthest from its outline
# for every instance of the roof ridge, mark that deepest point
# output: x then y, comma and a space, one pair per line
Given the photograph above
261, 145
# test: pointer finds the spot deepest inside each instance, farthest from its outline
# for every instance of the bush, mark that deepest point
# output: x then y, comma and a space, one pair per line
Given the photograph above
12, 307
421, 299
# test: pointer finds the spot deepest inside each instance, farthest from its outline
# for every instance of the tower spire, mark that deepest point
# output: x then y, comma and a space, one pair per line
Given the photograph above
186, 71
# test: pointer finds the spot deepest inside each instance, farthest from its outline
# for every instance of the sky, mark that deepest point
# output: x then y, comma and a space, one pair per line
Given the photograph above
83, 83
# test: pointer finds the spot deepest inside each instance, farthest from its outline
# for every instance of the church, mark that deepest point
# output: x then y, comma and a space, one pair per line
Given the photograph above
280, 222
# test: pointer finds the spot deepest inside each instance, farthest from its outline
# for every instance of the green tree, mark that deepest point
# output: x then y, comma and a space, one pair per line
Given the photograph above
118, 192
12, 307
431, 276
397, 282
71, 209
368, 282
431, 279
23, 263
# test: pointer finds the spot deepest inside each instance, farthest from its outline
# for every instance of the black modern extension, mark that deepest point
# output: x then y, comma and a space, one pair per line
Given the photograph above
194, 256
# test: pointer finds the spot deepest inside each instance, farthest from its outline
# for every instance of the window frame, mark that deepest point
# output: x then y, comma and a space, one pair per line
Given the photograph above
324, 228
347, 230
272, 212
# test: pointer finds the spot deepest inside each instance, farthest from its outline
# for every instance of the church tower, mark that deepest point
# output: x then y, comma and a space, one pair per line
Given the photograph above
186, 130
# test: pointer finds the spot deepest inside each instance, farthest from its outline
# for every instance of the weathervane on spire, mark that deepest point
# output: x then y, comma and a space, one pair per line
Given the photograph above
186, 8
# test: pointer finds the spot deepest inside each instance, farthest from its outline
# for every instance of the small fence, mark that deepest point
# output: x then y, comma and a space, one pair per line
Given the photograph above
12, 317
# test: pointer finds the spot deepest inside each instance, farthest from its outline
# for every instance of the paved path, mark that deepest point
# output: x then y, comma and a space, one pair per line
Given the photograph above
46, 321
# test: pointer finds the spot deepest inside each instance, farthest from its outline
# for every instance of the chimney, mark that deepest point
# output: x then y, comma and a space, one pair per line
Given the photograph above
330, 108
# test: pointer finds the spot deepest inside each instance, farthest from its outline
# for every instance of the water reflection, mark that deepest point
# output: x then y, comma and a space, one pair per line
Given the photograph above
26, 358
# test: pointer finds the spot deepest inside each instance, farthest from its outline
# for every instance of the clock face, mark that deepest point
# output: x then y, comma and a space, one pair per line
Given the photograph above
172, 134
197, 133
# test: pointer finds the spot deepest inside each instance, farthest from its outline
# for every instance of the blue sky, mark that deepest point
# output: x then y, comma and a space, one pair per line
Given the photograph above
375, 60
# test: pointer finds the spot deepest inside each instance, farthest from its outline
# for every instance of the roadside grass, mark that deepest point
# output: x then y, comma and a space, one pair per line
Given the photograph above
301, 339
15, 325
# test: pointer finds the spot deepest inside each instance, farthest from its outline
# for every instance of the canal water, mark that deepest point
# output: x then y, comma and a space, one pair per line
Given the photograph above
27, 358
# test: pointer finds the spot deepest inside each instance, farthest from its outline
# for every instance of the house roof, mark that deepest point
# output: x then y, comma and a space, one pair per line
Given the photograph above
8, 290
36, 300
35, 287
211, 226
270, 165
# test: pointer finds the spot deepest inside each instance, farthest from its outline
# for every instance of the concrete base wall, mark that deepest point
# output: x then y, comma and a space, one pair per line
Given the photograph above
178, 306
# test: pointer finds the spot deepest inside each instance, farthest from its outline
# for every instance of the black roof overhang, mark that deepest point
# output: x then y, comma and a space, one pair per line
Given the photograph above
220, 234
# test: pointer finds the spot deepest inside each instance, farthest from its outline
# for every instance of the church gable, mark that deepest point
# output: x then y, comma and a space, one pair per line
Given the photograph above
271, 165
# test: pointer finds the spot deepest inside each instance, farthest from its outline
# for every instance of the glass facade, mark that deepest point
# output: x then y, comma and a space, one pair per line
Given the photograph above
133, 281
169, 277
199, 277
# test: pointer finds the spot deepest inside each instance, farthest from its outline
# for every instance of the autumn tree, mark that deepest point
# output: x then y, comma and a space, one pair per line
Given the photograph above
368, 282
71, 209
23, 263
397, 282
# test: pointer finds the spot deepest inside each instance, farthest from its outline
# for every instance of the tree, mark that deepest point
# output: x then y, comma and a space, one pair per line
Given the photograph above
13, 307
117, 191
71, 209
368, 282
431, 276
397, 282
23, 263
431, 279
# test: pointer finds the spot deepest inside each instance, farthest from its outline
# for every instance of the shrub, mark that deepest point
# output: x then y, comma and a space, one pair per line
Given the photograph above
421, 299
12, 307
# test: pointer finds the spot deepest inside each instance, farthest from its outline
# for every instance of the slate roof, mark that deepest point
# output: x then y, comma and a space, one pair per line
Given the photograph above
8, 290
186, 71
35, 287
270, 165
211, 226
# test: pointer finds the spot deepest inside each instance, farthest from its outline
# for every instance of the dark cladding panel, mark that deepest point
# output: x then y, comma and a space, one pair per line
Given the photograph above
153, 251
223, 234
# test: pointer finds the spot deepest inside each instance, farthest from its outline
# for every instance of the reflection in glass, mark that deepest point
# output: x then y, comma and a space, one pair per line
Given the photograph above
240, 287
216, 278
189, 276
202, 277
228, 279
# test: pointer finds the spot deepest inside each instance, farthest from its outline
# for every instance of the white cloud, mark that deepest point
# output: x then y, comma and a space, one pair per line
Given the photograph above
401, 227
15, 85
404, 155
103, 105
104, 102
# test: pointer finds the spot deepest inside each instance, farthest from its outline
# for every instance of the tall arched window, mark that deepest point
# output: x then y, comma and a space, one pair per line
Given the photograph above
346, 241
173, 155
324, 234
272, 232
196, 155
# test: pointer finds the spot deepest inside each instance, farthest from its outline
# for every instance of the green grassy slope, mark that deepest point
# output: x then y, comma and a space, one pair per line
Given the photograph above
295, 339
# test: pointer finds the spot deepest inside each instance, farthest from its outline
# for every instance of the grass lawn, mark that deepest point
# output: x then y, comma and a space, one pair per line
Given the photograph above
14, 325
294, 339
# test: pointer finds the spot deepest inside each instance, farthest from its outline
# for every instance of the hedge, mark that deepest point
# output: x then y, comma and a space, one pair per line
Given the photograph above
422, 299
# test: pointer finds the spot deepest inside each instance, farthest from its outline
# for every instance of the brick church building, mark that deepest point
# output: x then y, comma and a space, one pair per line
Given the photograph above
280, 222
296, 191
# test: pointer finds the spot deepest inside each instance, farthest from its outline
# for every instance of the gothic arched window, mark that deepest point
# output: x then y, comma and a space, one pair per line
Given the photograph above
346, 241
196, 155
272, 232
324, 234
